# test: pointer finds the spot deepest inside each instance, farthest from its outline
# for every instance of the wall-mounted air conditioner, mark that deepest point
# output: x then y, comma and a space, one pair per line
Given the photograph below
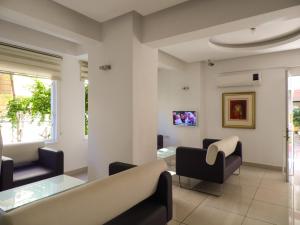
239, 80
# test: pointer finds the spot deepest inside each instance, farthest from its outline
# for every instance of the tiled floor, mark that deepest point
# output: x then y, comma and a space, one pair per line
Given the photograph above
255, 197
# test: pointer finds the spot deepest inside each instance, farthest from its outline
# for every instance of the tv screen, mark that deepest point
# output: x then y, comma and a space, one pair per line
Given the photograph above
185, 118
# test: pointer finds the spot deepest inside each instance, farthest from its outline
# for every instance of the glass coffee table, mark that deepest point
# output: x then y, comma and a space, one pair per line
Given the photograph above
168, 154
19, 196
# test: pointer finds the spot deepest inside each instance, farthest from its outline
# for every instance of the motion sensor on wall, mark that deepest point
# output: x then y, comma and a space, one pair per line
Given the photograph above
210, 63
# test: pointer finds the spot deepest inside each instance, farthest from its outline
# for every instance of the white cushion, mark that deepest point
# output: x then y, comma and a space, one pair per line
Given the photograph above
226, 145
23, 153
92, 204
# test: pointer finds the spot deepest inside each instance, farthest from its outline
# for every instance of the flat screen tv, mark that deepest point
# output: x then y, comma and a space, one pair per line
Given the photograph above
185, 118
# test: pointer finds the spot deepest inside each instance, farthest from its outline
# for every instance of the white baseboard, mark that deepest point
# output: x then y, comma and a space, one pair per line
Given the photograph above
77, 171
263, 166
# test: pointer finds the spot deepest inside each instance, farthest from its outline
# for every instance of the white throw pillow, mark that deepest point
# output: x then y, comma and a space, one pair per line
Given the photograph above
226, 145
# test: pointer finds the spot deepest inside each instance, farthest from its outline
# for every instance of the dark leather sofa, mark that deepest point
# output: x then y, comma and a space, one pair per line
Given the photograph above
50, 163
157, 209
191, 162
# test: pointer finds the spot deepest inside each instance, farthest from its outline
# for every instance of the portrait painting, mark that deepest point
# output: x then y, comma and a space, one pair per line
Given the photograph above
238, 110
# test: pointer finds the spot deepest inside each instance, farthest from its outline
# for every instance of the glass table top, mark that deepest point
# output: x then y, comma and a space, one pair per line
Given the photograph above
16, 197
166, 152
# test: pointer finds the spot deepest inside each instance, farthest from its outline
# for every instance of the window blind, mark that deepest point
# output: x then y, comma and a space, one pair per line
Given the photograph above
84, 70
29, 62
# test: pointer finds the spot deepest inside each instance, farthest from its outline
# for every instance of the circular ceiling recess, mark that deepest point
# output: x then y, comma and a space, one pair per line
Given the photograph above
270, 34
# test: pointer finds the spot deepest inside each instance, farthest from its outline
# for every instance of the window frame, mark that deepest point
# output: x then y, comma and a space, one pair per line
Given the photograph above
54, 108
54, 122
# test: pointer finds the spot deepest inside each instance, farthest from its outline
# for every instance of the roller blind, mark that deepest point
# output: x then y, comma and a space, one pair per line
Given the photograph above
29, 62
84, 70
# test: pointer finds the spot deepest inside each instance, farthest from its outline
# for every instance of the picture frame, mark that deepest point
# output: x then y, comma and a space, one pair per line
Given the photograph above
238, 110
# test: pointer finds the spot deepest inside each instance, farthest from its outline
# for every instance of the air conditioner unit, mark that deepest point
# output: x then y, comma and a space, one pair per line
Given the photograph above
239, 80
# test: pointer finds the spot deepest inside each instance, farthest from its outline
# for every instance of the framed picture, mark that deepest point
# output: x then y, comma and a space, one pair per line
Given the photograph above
238, 110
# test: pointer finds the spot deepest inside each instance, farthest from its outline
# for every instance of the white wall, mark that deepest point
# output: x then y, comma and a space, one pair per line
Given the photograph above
171, 97
71, 137
18, 35
265, 144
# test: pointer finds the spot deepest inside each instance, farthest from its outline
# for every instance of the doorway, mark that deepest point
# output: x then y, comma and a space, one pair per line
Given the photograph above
293, 128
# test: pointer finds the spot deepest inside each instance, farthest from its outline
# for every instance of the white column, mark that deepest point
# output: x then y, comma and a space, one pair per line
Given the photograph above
122, 101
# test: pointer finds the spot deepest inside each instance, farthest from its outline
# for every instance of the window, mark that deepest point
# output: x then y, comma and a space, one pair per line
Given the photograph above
28, 94
27, 112
86, 104
84, 77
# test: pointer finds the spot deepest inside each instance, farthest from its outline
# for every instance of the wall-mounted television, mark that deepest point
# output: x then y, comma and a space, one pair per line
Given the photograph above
185, 118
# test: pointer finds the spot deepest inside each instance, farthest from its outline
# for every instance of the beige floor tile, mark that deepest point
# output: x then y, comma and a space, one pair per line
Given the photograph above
269, 213
278, 197
275, 181
210, 216
241, 190
252, 169
252, 172
173, 222
296, 178
249, 221
181, 209
231, 203
296, 218
297, 197
192, 197
276, 186
245, 180
274, 174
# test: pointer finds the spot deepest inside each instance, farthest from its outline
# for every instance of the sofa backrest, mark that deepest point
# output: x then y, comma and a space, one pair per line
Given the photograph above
208, 141
94, 203
23, 153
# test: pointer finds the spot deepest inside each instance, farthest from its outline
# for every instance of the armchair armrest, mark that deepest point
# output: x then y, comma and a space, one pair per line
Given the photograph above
163, 192
117, 167
238, 150
53, 159
6, 175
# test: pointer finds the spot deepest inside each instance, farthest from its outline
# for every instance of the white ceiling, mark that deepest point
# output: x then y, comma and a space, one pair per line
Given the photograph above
268, 37
262, 33
202, 50
102, 10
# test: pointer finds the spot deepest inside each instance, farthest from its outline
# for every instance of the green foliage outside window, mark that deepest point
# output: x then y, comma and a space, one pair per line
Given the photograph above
40, 102
17, 109
296, 117
38, 107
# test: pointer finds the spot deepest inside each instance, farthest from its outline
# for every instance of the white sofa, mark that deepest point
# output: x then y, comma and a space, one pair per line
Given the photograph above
94, 203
